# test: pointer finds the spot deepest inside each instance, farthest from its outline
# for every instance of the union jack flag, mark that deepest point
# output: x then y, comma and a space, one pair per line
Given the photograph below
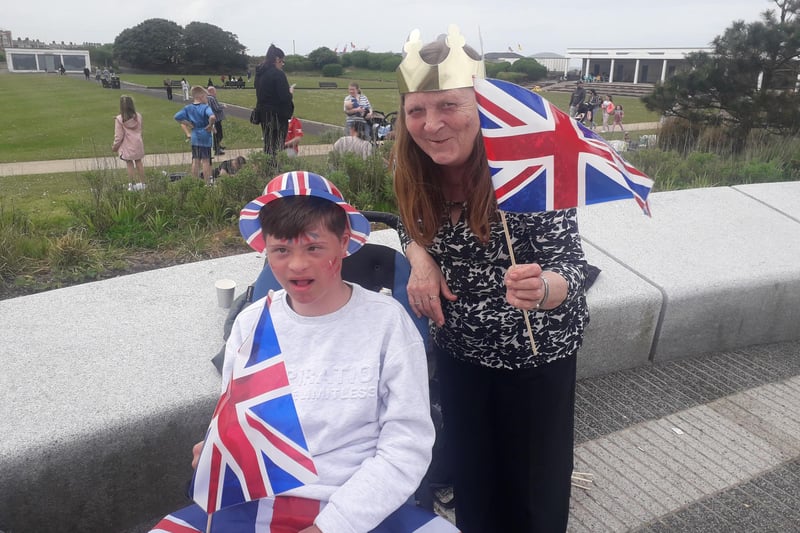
255, 446
541, 159
287, 513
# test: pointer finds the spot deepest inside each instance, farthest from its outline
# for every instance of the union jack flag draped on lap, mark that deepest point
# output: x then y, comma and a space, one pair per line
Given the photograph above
286, 513
255, 445
541, 159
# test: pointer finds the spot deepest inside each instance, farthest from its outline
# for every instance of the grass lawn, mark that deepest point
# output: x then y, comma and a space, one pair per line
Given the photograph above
62, 117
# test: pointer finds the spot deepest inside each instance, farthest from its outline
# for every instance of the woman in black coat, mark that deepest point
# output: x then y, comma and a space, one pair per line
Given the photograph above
273, 99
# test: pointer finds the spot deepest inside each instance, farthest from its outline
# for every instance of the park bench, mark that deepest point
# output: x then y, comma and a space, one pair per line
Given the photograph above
234, 84
328, 85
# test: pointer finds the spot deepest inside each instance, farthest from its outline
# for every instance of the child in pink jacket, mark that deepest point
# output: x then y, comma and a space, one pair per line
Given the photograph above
128, 138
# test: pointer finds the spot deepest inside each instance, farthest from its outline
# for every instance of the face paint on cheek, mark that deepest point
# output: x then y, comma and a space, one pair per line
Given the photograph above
334, 265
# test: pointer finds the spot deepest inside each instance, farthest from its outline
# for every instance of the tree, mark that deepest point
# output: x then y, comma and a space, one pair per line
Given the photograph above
154, 44
748, 82
210, 47
102, 55
323, 56
532, 69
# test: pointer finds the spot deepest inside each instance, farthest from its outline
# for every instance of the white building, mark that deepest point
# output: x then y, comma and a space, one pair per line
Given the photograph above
633, 65
46, 60
553, 62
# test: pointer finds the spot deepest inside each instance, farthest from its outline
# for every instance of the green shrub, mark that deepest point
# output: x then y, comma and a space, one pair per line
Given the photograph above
20, 244
513, 77
390, 64
493, 68
332, 70
532, 69
74, 251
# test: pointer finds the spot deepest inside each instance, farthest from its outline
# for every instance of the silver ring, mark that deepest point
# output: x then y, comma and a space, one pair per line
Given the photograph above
431, 298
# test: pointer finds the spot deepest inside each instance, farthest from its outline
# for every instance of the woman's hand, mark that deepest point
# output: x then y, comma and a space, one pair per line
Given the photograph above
426, 285
311, 529
526, 290
196, 449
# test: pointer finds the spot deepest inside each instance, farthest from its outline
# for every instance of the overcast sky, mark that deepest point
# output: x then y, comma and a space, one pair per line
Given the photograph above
300, 26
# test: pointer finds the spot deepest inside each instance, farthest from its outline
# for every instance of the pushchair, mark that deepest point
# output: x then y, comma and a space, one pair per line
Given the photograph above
381, 126
382, 269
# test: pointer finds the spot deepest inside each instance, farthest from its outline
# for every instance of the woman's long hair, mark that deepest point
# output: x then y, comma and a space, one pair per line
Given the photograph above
126, 107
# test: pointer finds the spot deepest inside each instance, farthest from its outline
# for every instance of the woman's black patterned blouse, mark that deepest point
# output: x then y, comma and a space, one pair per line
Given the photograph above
480, 326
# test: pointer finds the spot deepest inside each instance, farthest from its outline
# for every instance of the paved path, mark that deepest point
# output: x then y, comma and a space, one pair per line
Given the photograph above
702, 444
150, 160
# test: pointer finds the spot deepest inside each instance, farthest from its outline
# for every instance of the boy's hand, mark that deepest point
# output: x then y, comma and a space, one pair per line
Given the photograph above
196, 449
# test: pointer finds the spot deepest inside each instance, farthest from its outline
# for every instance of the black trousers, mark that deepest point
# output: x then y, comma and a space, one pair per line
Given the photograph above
218, 135
274, 131
510, 435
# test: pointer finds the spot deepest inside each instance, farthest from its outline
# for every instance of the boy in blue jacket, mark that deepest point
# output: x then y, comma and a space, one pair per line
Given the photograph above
197, 121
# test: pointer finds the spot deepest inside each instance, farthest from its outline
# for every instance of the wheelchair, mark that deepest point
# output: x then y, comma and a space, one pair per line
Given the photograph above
383, 269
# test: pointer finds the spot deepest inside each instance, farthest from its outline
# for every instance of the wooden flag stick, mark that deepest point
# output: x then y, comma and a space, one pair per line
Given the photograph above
513, 263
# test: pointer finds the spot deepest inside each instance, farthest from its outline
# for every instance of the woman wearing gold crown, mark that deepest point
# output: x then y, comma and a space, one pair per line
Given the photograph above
508, 406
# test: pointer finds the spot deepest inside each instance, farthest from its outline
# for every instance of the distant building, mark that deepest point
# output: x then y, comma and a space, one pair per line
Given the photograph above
632, 65
5, 39
46, 60
553, 62
508, 57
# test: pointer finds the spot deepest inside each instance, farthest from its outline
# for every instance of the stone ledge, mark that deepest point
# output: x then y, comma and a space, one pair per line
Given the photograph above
111, 383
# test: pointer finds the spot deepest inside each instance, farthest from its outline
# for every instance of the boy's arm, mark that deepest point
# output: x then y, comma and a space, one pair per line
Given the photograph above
186, 126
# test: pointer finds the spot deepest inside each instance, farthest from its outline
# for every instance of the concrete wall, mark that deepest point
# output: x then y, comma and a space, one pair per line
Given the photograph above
106, 386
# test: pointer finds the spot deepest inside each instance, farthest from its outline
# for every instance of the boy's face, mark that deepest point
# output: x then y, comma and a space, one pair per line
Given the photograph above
309, 267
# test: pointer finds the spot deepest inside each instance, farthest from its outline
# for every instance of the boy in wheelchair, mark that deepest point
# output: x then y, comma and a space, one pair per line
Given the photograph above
356, 366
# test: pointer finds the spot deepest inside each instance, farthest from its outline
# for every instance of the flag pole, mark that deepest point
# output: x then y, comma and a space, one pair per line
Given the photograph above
513, 263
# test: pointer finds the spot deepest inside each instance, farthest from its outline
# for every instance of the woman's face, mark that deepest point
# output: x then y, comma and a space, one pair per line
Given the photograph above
353, 91
444, 124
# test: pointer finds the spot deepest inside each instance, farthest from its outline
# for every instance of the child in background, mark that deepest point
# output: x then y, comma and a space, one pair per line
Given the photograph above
128, 138
293, 136
618, 115
197, 121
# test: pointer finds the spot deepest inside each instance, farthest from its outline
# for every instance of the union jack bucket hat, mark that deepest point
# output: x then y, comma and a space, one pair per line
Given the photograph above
300, 183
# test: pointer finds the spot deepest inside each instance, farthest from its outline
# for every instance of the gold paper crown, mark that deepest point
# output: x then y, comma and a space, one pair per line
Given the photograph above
454, 72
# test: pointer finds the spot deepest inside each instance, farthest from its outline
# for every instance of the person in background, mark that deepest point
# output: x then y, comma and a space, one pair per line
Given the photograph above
229, 167
619, 114
168, 87
576, 98
608, 110
353, 143
219, 112
357, 109
185, 89
294, 135
508, 410
197, 122
273, 99
128, 141
594, 103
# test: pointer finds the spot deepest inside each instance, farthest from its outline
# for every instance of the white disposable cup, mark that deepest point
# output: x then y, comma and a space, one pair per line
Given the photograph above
225, 290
